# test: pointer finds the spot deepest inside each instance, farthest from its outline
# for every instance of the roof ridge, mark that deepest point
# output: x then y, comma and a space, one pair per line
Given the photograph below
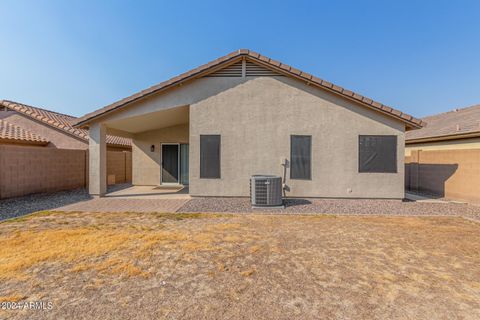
46, 120
39, 108
455, 110
66, 126
460, 123
273, 64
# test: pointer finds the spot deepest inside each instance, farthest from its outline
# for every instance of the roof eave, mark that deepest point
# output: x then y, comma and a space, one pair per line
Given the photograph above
444, 137
86, 119
23, 142
410, 122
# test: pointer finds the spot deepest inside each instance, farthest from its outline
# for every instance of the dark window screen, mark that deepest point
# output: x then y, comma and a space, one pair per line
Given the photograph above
301, 157
210, 156
377, 154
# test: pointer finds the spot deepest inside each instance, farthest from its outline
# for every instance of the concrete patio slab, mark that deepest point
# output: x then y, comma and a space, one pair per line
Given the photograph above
149, 192
128, 198
428, 199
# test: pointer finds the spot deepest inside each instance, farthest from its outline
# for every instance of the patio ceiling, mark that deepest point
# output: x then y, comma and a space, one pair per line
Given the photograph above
151, 121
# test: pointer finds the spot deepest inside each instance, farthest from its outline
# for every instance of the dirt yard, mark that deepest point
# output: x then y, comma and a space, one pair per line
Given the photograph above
206, 266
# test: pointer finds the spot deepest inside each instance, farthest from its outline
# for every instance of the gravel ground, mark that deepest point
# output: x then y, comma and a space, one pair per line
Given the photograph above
336, 206
11, 208
15, 207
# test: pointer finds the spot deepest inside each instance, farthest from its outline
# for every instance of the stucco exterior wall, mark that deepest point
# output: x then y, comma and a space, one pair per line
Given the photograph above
57, 138
255, 120
146, 164
472, 143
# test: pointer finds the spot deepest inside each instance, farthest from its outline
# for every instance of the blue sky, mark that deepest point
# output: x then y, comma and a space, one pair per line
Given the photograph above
422, 57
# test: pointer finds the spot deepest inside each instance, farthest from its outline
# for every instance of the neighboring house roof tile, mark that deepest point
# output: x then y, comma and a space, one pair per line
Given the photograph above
60, 121
448, 125
13, 133
410, 121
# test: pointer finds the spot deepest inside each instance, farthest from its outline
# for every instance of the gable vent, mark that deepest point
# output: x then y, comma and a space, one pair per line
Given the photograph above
251, 70
233, 70
255, 70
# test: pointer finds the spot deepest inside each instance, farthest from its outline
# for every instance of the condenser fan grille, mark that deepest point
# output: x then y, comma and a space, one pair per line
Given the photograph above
266, 190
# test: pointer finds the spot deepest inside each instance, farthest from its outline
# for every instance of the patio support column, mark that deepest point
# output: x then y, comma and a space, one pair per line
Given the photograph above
97, 148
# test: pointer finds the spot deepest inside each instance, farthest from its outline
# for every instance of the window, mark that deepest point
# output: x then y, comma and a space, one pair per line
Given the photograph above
377, 154
210, 156
301, 157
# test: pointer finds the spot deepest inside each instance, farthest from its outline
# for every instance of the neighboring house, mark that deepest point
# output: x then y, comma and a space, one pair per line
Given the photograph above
456, 129
244, 114
443, 158
40, 151
36, 126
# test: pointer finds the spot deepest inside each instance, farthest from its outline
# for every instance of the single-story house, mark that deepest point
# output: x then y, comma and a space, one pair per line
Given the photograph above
23, 124
244, 114
452, 130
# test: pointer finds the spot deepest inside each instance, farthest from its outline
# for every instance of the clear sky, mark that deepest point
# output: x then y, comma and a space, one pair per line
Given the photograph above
422, 57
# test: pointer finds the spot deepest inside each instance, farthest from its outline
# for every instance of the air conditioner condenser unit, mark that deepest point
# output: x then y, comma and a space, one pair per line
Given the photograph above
266, 191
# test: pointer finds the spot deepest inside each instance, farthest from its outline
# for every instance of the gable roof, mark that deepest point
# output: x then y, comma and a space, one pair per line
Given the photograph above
60, 121
10, 132
410, 122
455, 124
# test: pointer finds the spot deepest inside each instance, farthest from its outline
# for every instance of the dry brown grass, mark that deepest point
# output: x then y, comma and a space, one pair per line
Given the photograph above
24, 249
243, 266
13, 298
76, 245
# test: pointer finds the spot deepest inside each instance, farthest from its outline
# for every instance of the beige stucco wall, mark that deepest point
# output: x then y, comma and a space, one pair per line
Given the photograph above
255, 120
473, 143
147, 114
146, 164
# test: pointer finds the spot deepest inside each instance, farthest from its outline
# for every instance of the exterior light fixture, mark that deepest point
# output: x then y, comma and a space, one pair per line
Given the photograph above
152, 148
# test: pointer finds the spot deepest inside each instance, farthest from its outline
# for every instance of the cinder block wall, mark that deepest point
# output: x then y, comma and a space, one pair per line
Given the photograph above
453, 174
26, 170
120, 164
128, 165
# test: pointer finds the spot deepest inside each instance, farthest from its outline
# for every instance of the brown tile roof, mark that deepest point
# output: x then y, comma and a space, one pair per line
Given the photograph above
15, 134
449, 125
410, 121
59, 121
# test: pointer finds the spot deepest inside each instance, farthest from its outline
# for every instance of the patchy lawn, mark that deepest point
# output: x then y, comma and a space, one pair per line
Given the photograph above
194, 266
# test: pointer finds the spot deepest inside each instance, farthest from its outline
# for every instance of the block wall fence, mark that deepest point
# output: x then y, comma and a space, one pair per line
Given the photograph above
452, 174
26, 170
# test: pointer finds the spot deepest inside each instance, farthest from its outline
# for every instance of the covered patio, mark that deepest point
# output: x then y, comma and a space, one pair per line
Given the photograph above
160, 153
